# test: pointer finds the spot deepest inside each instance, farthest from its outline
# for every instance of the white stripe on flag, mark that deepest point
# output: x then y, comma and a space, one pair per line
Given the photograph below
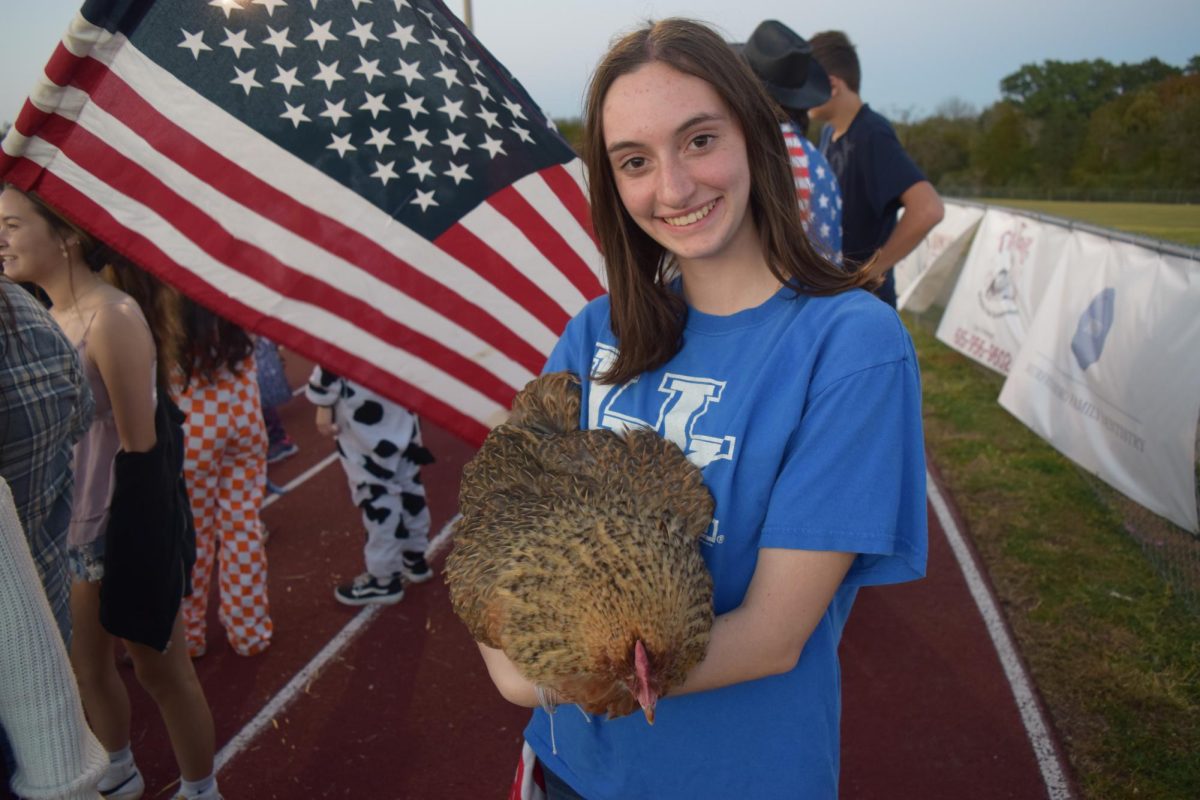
539, 195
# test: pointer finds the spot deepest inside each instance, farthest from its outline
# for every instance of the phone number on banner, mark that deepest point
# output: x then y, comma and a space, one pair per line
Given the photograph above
982, 350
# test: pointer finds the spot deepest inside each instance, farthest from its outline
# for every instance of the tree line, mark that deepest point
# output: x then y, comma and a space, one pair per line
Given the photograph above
1080, 125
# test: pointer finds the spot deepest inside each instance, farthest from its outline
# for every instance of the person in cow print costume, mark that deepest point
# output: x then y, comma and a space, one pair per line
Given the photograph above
379, 445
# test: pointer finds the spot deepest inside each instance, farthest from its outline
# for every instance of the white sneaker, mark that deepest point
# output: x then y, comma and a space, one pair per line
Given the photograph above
121, 782
212, 794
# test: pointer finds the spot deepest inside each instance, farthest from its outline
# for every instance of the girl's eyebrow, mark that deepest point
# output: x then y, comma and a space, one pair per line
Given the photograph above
689, 123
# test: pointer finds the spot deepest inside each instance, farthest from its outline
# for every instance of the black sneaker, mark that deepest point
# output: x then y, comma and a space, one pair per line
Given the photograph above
415, 568
365, 589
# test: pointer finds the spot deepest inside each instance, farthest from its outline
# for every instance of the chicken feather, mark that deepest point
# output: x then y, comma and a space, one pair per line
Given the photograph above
574, 546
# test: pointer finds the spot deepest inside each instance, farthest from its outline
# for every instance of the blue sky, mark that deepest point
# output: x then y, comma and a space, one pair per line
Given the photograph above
915, 54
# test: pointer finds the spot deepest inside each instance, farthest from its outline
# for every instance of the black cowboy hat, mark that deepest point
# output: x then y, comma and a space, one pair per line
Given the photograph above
782, 60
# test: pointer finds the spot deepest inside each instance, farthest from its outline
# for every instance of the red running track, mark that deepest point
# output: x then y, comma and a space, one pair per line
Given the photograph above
405, 710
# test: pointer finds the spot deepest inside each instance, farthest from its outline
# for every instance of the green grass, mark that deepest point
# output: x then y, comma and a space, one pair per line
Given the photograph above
1172, 223
1115, 655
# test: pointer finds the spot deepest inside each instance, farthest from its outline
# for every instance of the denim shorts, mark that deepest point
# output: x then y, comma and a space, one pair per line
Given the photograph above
86, 561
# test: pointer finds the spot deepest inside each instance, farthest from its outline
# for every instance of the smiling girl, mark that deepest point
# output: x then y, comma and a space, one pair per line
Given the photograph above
795, 391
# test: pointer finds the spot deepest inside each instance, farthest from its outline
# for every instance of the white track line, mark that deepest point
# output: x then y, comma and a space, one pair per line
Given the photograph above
295, 686
344, 638
1053, 774
302, 477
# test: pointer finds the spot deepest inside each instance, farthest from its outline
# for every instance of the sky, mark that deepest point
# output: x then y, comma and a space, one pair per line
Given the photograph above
915, 55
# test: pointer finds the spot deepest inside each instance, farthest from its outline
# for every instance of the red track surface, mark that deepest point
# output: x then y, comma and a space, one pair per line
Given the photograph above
406, 711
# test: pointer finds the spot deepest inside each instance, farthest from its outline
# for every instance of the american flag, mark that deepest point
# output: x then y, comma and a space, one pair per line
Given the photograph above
359, 180
817, 192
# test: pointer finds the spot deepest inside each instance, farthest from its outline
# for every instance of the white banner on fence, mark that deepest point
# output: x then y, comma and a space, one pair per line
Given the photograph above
1001, 285
928, 274
1110, 370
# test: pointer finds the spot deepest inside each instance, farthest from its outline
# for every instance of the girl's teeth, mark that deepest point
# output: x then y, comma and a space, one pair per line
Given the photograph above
695, 216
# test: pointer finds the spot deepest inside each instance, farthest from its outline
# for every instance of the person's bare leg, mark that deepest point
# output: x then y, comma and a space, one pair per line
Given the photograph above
100, 686
171, 681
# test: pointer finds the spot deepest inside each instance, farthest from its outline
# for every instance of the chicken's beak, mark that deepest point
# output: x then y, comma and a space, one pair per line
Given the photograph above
648, 710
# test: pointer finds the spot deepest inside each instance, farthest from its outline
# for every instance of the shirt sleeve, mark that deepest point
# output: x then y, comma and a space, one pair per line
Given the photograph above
324, 388
853, 475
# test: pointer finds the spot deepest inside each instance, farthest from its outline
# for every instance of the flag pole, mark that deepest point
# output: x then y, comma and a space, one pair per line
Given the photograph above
467, 15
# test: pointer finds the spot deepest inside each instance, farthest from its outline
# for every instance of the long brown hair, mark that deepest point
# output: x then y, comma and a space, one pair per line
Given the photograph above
213, 343
158, 301
646, 316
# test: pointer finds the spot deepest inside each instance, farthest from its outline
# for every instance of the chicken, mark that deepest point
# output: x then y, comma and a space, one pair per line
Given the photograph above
578, 554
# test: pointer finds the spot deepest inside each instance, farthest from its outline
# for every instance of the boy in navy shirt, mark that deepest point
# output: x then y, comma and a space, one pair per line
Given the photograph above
876, 176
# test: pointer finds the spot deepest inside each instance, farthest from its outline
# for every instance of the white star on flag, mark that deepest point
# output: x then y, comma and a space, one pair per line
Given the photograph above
424, 200
452, 109
270, 4
422, 169
278, 39
458, 172
368, 69
236, 42
246, 80
418, 138
335, 112
413, 105
493, 146
286, 78
450, 76
228, 6
363, 33
404, 35
320, 34
385, 172
295, 114
194, 42
375, 104
380, 139
409, 72
455, 141
489, 117
328, 73
341, 144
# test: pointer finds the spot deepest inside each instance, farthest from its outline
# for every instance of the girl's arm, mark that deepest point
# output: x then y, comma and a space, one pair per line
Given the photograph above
513, 686
123, 350
788, 595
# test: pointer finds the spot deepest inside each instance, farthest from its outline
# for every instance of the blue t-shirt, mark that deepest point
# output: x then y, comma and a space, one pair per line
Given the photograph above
872, 171
804, 415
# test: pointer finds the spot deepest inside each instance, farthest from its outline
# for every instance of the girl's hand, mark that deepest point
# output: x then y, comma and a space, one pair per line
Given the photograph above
325, 423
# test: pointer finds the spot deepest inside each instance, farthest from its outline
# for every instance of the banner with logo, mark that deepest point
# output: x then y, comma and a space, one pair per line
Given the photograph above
1005, 275
927, 276
1110, 370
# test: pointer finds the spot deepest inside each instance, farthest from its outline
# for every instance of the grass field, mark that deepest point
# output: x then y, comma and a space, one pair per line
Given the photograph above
1114, 653
1172, 223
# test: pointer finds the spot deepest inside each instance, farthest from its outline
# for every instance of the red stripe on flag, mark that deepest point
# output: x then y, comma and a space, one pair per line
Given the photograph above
563, 184
70, 201
464, 245
133, 180
119, 99
549, 242
62, 65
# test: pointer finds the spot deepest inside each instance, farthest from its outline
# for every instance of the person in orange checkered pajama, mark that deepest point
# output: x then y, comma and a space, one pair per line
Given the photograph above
225, 469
